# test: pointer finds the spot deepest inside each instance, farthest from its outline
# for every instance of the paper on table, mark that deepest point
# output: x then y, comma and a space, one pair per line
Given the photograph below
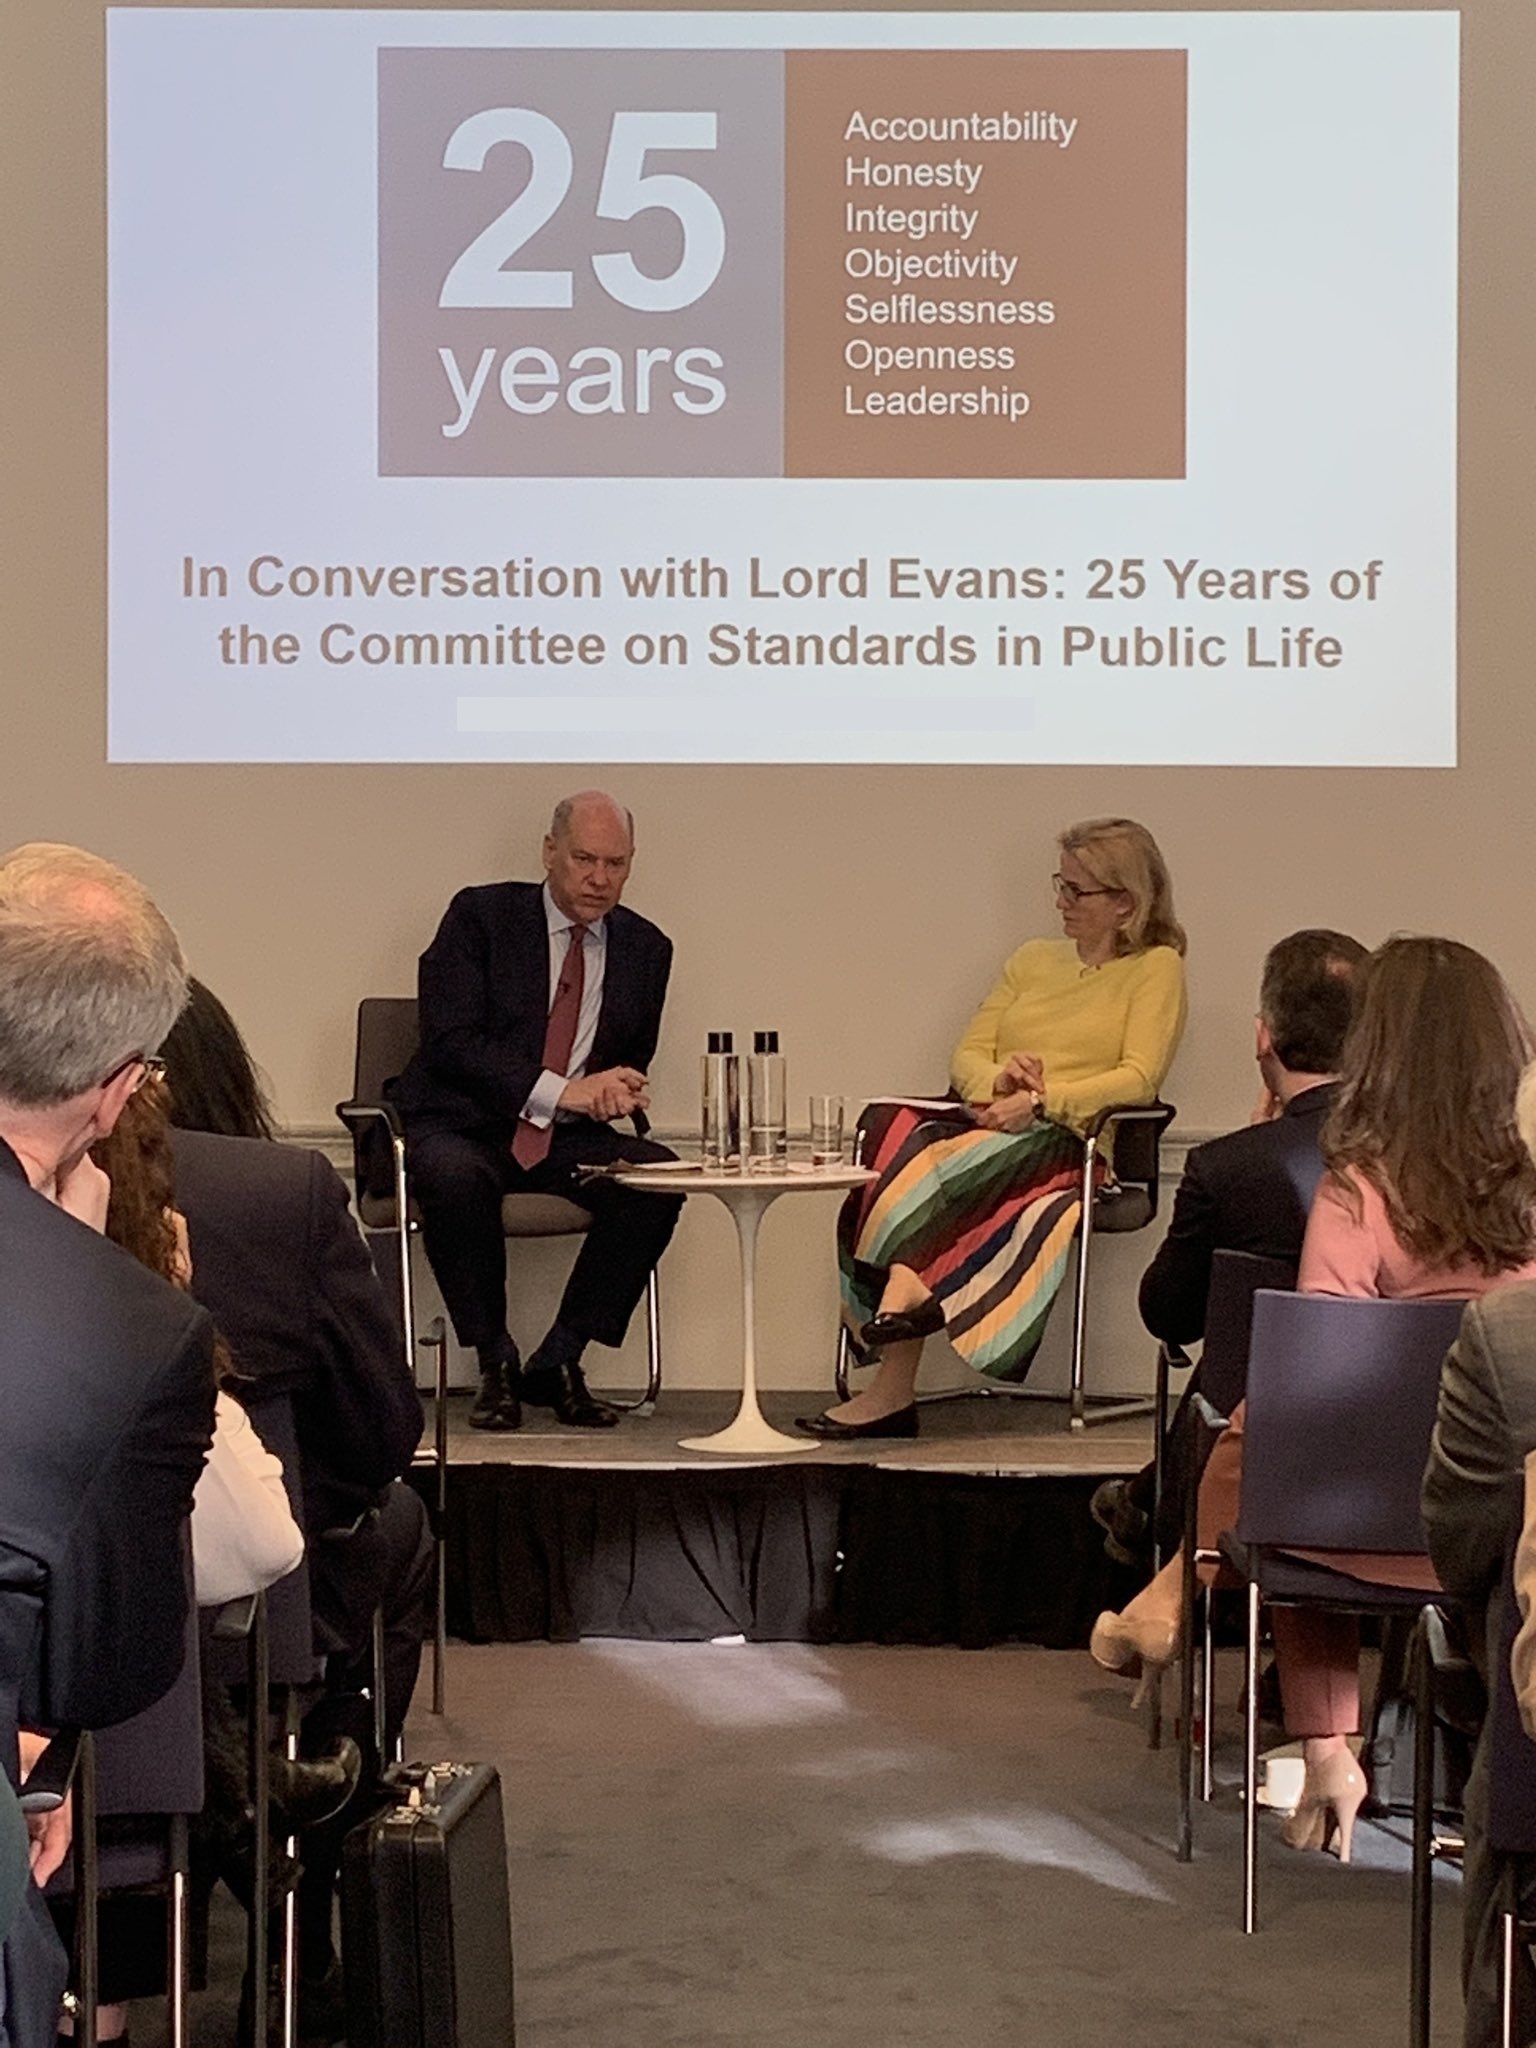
937, 1105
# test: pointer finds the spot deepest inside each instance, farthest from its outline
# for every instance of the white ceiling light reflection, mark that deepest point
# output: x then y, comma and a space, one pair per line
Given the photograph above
1038, 1840
735, 1685
860, 1763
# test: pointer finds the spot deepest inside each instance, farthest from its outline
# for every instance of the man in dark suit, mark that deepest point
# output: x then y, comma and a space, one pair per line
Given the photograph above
278, 1261
1251, 1190
106, 1372
1473, 1501
540, 1011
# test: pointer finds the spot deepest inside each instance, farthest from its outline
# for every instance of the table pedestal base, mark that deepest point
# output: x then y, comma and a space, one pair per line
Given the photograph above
750, 1432
747, 1197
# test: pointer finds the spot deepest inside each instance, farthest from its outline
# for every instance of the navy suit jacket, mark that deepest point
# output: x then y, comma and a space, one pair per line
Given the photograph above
106, 1413
279, 1264
1248, 1191
484, 1005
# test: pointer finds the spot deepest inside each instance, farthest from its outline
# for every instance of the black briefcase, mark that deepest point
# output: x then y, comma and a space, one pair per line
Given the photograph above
425, 1921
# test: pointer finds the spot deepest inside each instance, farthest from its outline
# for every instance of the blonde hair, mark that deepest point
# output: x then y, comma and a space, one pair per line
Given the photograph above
1120, 854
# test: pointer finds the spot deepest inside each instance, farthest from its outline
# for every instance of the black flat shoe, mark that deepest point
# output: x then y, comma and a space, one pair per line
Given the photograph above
902, 1327
902, 1423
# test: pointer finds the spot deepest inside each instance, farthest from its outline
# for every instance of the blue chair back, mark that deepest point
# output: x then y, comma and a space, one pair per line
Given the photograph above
154, 1763
1341, 1404
1236, 1278
291, 1628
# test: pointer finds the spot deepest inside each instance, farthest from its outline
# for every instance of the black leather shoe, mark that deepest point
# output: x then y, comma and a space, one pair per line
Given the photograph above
496, 1405
902, 1328
902, 1423
306, 1792
563, 1388
1127, 1530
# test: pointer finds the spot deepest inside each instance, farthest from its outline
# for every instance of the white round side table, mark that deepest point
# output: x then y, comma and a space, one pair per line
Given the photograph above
747, 1196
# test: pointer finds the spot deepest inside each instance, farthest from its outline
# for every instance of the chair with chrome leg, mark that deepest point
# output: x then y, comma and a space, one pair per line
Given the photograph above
1447, 1693
1236, 1278
1341, 1399
388, 1033
1124, 1200
146, 1776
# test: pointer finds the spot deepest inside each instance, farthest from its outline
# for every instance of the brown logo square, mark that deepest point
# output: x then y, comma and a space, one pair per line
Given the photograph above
986, 274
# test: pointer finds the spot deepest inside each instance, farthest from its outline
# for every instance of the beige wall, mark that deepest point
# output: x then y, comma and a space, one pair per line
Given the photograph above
861, 911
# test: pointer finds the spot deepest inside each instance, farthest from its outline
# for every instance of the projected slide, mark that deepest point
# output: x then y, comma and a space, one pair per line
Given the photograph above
782, 387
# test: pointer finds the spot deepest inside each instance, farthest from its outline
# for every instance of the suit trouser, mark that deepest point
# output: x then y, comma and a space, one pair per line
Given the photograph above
459, 1180
1481, 1904
398, 1579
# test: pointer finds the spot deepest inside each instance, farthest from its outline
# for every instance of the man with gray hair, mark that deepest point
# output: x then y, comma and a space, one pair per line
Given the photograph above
106, 1372
540, 1011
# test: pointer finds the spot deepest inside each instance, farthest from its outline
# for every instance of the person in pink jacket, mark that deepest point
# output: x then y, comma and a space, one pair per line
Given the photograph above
1429, 1193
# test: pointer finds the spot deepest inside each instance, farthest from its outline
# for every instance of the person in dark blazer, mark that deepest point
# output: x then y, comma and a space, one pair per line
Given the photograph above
1473, 1504
106, 1372
540, 1012
279, 1263
1247, 1191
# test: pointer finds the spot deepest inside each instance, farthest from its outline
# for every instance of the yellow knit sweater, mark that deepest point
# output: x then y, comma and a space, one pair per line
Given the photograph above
1104, 1034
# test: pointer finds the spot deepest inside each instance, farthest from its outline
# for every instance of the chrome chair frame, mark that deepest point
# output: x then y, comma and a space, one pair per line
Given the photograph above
1308, 1487
119, 1770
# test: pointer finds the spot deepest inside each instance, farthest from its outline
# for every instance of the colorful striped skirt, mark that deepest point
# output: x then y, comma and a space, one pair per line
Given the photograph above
985, 1219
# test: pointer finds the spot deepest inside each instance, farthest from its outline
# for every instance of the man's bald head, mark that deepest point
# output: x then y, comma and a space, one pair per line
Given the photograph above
587, 854
91, 973
588, 807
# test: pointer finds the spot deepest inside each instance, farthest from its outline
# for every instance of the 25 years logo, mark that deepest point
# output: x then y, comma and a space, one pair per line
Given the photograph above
580, 262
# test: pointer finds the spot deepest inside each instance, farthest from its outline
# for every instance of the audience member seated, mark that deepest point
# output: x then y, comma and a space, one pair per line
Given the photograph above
1479, 1478
244, 1539
1249, 1191
107, 1372
968, 1224
540, 1010
278, 1260
1430, 1194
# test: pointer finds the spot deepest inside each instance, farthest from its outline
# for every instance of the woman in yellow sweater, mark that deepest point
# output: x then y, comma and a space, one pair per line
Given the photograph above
968, 1224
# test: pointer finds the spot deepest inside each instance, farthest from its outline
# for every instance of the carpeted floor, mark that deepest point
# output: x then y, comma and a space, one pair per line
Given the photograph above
786, 1847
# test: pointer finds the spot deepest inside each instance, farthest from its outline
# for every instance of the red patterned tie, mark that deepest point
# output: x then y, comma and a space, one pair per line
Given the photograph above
530, 1144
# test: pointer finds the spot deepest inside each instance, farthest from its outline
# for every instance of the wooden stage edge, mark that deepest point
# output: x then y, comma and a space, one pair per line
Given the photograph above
996, 1436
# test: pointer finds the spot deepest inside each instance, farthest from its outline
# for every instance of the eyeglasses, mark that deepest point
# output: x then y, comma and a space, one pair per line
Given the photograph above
150, 1069
1071, 893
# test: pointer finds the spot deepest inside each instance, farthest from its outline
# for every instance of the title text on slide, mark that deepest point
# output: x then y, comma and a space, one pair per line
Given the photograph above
1168, 642
1130, 579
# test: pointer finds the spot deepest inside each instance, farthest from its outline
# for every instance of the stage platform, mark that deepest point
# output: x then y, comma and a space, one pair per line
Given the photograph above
977, 1532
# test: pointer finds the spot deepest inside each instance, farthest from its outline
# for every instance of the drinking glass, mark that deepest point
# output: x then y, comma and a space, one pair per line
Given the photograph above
826, 1130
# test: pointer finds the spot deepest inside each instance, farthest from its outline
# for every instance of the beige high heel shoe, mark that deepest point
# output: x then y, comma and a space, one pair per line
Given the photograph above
1330, 1798
1120, 1642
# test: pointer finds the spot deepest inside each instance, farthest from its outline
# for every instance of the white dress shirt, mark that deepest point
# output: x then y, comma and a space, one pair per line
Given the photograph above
544, 1097
244, 1536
